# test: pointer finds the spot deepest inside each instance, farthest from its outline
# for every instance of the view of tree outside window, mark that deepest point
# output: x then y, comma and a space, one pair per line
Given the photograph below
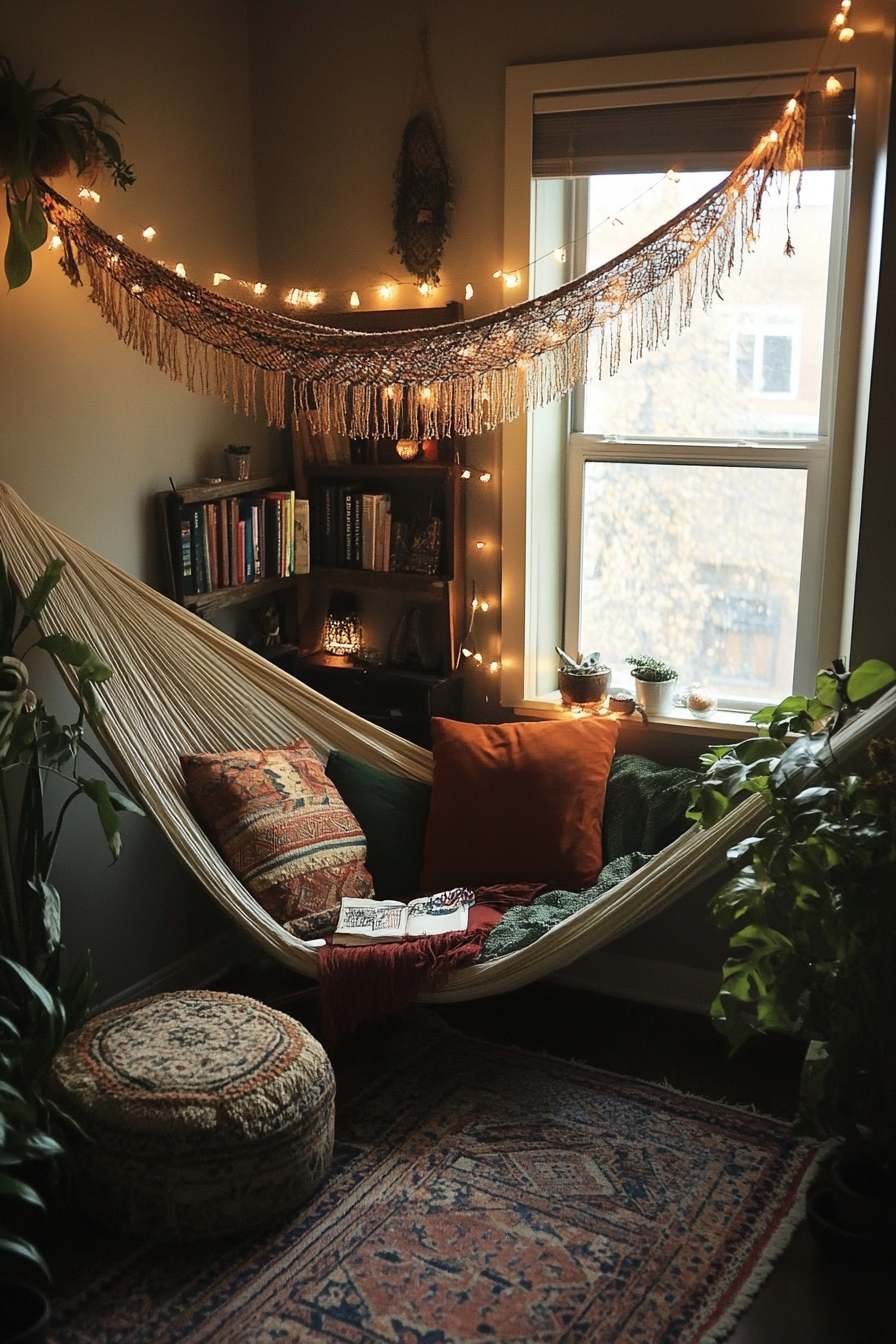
697, 565
700, 564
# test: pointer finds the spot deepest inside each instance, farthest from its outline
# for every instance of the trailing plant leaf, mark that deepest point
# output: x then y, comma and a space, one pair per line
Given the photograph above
869, 678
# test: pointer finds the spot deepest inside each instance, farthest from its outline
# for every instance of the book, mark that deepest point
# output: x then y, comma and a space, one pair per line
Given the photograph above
224, 541
186, 555
363, 921
302, 561
368, 530
380, 545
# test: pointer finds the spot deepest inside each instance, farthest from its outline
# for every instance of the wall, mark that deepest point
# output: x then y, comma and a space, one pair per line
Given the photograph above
88, 432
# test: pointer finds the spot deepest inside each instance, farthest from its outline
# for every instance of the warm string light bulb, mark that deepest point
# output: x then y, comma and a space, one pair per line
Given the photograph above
386, 291
220, 277
485, 477
181, 270
55, 242
149, 234
354, 300
481, 545
259, 288
87, 194
560, 254
833, 86
468, 292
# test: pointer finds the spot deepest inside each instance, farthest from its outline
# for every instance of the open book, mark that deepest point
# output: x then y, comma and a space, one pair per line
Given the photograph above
362, 921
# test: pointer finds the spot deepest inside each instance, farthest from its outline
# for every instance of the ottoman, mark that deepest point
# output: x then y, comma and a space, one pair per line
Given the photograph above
204, 1114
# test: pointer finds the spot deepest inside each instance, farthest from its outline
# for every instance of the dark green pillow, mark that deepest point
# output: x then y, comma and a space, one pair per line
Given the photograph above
392, 813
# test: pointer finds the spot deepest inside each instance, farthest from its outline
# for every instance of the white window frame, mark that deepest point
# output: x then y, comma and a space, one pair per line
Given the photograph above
534, 536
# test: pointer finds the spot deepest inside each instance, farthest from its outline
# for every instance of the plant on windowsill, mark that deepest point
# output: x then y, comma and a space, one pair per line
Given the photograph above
811, 917
44, 133
38, 1005
654, 681
585, 682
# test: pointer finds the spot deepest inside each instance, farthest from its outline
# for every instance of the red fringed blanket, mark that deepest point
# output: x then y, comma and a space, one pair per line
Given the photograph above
379, 981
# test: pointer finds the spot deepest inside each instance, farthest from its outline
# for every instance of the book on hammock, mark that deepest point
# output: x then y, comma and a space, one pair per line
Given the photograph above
362, 921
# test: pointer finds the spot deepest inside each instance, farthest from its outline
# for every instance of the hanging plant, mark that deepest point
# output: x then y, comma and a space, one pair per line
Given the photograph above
43, 133
424, 197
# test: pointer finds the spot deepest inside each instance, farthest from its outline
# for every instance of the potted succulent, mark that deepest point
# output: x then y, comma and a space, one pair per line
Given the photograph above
38, 1005
44, 132
583, 682
811, 918
654, 681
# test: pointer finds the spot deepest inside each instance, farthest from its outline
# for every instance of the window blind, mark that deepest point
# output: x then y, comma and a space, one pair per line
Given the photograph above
616, 133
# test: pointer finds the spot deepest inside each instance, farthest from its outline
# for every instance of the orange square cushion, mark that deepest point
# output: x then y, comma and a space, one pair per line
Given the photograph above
517, 802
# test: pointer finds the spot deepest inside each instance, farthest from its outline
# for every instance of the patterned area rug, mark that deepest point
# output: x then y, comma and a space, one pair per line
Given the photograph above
482, 1193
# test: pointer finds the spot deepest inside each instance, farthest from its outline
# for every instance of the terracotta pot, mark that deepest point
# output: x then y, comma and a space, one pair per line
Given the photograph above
590, 689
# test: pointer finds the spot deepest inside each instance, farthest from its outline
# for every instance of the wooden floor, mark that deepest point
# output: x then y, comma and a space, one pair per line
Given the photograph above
806, 1299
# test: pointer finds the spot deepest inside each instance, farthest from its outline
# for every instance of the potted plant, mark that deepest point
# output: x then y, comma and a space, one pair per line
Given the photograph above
38, 1006
43, 133
585, 682
811, 918
654, 681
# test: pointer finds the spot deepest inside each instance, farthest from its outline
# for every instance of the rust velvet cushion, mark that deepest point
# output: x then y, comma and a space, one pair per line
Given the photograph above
517, 802
284, 830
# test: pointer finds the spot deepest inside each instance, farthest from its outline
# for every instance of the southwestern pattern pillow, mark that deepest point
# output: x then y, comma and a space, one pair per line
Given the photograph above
283, 829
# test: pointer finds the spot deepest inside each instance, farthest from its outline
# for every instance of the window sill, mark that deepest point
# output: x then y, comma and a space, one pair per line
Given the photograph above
727, 725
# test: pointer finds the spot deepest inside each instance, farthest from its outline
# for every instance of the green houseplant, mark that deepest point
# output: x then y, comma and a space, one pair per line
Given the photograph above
811, 918
654, 681
43, 133
38, 1004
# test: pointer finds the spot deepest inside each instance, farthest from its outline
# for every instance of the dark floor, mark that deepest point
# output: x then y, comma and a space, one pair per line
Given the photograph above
807, 1300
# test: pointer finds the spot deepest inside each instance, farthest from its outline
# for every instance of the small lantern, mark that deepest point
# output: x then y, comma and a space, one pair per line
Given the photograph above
407, 449
342, 633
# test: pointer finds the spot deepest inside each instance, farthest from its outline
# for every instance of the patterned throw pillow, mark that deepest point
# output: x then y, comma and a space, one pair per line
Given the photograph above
283, 828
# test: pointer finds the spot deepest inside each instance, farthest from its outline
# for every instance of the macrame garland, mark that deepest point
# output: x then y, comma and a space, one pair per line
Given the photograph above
458, 379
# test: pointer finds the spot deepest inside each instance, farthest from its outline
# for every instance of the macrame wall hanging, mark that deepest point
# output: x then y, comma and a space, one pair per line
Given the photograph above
424, 190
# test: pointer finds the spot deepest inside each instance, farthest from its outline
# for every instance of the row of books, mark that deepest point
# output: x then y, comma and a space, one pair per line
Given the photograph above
351, 528
354, 529
320, 445
238, 540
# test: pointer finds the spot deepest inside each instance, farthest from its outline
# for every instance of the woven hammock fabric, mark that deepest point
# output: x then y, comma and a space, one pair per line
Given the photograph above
182, 686
457, 379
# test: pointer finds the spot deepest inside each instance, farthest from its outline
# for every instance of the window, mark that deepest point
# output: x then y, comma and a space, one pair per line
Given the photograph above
695, 518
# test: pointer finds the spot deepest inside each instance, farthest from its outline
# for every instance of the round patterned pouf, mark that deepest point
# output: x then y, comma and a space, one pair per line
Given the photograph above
204, 1113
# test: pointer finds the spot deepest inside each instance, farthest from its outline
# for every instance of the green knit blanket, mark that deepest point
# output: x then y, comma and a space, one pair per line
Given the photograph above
644, 811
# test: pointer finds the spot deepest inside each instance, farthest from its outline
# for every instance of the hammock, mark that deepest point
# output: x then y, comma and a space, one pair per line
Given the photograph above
457, 379
182, 686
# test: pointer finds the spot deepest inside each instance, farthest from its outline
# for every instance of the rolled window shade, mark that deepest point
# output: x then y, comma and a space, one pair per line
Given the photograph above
709, 134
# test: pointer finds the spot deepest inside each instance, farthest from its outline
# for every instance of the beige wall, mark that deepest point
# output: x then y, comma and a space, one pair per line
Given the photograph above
87, 431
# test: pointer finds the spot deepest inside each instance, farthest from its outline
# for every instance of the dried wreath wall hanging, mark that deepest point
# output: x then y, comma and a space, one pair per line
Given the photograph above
424, 190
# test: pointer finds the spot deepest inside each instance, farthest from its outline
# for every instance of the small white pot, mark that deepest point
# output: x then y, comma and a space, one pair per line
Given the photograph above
654, 697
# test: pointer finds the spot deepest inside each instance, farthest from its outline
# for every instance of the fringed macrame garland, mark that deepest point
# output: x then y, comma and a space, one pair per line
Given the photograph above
458, 379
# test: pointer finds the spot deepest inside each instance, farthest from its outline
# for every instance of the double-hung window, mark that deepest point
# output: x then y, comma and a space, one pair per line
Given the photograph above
694, 505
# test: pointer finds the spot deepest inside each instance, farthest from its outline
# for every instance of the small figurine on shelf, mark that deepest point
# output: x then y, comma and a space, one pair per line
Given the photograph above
269, 626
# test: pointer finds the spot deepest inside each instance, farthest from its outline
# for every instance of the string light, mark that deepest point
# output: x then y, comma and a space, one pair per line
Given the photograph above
386, 291
181, 270
259, 288
833, 86
511, 278
119, 237
55, 242
466, 474
87, 194
220, 276
493, 667
426, 288
481, 545
354, 300
468, 292
485, 477
149, 234
560, 254
302, 298
847, 34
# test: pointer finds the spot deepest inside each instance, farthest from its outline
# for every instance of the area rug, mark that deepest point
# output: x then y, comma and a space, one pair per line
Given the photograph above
483, 1193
